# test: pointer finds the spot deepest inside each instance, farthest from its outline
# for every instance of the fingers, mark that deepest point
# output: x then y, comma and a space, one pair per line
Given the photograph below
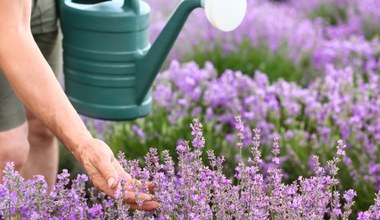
147, 206
130, 183
104, 171
137, 185
150, 186
133, 185
133, 197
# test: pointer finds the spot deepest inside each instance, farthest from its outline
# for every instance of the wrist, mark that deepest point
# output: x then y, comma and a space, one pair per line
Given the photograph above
79, 145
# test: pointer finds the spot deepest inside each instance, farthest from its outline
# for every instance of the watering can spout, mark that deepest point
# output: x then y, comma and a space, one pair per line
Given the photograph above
149, 64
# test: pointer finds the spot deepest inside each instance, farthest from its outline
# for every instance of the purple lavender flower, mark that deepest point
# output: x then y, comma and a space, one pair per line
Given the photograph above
196, 127
192, 190
240, 128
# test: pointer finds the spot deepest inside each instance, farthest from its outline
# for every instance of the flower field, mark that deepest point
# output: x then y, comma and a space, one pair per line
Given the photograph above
279, 119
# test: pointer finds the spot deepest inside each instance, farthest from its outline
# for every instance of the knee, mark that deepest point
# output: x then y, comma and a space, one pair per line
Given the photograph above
16, 152
14, 147
38, 131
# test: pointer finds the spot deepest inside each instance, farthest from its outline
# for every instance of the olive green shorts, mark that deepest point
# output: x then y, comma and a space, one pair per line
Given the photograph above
47, 36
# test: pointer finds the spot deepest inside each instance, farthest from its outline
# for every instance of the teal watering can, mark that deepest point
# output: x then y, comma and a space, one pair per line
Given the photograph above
109, 63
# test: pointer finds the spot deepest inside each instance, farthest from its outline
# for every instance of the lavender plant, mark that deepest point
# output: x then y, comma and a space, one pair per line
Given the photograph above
356, 51
368, 17
192, 190
341, 104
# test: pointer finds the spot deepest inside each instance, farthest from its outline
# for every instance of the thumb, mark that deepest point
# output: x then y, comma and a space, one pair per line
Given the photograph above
108, 172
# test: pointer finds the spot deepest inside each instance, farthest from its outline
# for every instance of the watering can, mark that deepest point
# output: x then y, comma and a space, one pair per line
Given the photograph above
109, 63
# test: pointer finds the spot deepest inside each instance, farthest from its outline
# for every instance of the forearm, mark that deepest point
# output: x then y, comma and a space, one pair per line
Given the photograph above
35, 84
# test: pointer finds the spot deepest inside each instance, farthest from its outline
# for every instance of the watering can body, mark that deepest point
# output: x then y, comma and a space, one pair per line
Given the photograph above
109, 63
101, 43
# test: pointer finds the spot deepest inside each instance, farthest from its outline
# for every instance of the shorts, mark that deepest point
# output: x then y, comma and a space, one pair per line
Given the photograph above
47, 36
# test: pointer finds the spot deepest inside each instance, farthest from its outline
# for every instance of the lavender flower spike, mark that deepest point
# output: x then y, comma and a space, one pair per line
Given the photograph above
199, 140
240, 129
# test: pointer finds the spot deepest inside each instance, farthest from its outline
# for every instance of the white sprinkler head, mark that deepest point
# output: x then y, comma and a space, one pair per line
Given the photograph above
225, 15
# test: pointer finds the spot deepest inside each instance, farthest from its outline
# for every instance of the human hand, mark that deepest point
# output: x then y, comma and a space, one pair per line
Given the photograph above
104, 172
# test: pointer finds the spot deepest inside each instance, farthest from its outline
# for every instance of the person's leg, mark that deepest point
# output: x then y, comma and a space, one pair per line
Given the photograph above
14, 147
44, 151
43, 154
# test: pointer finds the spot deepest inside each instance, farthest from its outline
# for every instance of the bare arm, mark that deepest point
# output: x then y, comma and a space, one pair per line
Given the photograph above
32, 78
35, 84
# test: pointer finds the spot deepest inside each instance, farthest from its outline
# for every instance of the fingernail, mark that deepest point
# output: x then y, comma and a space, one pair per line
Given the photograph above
110, 182
149, 198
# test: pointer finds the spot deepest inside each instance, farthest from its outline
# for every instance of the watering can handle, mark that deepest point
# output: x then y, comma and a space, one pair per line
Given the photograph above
132, 4
88, 2
128, 4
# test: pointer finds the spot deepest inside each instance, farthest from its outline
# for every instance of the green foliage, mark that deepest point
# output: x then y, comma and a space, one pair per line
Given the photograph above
248, 59
158, 133
332, 14
371, 29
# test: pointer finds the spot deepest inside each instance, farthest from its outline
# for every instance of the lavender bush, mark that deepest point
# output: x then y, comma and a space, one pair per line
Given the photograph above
341, 104
356, 51
191, 190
